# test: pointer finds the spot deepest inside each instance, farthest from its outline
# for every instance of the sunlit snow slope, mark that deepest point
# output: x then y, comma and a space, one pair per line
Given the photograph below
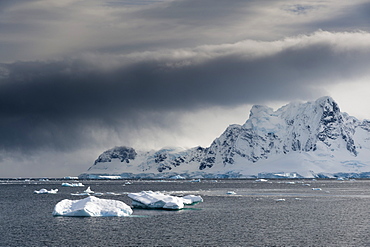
312, 139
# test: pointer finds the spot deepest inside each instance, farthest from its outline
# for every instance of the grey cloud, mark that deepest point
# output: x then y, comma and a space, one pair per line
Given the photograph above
193, 11
341, 18
58, 104
46, 30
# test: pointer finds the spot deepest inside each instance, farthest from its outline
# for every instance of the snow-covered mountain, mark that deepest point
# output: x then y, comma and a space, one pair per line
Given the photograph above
313, 139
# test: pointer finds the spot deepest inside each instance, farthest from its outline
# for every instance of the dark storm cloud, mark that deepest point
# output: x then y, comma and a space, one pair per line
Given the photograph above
58, 104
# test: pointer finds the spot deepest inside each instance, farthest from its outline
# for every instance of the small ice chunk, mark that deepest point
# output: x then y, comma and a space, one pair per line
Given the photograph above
280, 200
73, 185
195, 180
231, 193
80, 194
316, 189
71, 178
261, 180
91, 206
45, 191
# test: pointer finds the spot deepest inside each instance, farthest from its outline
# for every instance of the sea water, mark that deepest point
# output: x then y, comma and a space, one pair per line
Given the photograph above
254, 215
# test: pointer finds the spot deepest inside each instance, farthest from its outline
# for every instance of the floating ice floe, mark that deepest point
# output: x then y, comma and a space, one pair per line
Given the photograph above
157, 200
113, 193
192, 199
71, 178
109, 177
45, 191
290, 182
86, 192
280, 200
91, 206
195, 180
80, 194
261, 180
73, 185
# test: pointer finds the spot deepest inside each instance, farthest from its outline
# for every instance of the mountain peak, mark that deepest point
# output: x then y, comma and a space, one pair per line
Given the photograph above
300, 138
328, 104
260, 110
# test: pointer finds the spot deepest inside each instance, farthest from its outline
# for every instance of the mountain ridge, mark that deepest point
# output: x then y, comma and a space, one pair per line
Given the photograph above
312, 139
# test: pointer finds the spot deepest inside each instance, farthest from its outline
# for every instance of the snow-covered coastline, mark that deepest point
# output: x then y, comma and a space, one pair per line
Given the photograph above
312, 139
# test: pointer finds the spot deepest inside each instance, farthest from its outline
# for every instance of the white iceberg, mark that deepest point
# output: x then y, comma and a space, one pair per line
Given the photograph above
89, 191
73, 185
45, 191
109, 177
91, 206
280, 200
195, 180
191, 199
231, 193
261, 180
80, 194
157, 200
71, 178
177, 177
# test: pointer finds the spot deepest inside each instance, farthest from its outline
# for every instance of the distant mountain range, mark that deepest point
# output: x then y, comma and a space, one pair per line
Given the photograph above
312, 139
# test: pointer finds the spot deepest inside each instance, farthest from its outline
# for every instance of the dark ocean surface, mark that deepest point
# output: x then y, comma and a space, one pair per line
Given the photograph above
336, 215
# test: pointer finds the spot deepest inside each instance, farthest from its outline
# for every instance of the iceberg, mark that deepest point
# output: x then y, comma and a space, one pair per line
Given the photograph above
71, 178
89, 191
316, 189
195, 180
91, 206
73, 185
109, 177
80, 194
45, 191
177, 177
261, 180
280, 200
157, 200
192, 199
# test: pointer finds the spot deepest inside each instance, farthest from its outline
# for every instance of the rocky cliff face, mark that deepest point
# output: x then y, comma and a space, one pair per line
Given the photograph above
318, 133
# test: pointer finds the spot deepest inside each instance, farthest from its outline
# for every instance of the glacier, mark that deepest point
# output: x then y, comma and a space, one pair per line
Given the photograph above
310, 139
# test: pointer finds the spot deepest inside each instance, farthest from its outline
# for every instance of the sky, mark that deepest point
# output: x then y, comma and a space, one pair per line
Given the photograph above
78, 77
